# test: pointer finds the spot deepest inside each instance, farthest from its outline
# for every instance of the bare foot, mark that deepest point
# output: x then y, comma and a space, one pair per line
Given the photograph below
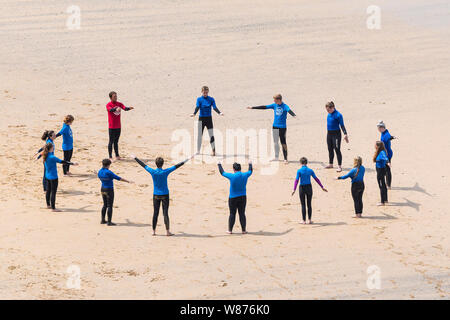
154, 233
274, 159
330, 166
286, 162
56, 210
118, 158
304, 222
68, 174
310, 222
380, 204
213, 154
229, 232
339, 169
244, 232
169, 233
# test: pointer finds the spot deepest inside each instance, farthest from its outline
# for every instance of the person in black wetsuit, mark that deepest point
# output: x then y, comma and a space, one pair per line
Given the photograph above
160, 189
205, 103
335, 123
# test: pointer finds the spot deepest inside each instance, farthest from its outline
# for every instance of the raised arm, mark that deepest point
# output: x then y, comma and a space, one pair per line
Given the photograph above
143, 165
220, 168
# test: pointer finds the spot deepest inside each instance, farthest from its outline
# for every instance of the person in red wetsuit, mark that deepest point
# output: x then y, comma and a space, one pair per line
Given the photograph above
114, 109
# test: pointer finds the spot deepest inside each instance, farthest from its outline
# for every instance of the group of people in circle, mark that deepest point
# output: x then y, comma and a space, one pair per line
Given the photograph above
238, 180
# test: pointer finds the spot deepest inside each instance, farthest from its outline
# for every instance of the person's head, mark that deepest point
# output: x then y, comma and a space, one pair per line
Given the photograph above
205, 91
357, 162
48, 134
236, 167
69, 119
381, 126
159, 162
379, 146
47, 149
106, 163
303, 161
113, 96
330, 107
278, 99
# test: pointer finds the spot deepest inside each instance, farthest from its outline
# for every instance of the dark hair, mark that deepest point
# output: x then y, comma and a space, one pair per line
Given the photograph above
68, 119
237, 166
47, 134
330, 104
46, 151
111, 94
106, 163
303, 160
159, 162
380, 147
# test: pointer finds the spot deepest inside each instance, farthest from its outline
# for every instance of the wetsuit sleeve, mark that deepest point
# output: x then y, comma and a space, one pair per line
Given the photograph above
260, 107
114, 176
216, 109
59, 134
318, 181
180, 164
292, 113
348, 175
220, 168
341, 123
126, 109
110, 108
140, 162
171, 169
250, 170
196, 110
297, 178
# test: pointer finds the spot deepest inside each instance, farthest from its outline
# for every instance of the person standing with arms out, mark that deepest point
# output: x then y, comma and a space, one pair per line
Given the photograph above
335, 123
279, 127
386, 138
48, 136
304, 175
204, 104
51, 174
67, 145
357, 176
160, 189
107, 178
381, 162
114, 108
237, 200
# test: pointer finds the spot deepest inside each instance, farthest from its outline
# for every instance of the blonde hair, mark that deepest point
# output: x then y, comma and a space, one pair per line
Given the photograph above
68, 119
357, 162
278, 97
330, 104
204, 88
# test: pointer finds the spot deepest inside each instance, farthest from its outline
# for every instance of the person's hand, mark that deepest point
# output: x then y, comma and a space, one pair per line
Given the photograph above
389, 164
324, 189
250, 161
249, 107
129, 181
346, 138
75, 164
219, 161
191, 115
222, 114
337, 178
133, 156
131, 108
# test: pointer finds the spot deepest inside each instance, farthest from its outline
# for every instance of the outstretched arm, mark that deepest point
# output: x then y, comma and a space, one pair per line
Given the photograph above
217, 110
143, 165
183, 162
292, 113
195, 111
257, 107
220, 168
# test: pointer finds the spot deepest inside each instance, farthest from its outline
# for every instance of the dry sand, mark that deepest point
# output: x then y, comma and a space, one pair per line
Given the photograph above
157, 55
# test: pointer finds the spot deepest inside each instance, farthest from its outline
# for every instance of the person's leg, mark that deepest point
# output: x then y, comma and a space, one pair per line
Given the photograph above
48, 193
105, 205
110, 204
330, 148
156, 205
200, 127
210, 127
283, 142
381, 174
232, 218
337, 147
302, 195
54, 188
116, 142
165, 207
241, 209
360, 198
309, 193
44, 181
111, 141
67, 157
388, 175
355, 197
276, 144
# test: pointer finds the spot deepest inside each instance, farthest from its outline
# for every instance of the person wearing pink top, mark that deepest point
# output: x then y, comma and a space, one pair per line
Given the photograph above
114, 109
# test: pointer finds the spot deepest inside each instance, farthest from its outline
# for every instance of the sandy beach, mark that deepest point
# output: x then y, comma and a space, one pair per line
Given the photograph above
157, 55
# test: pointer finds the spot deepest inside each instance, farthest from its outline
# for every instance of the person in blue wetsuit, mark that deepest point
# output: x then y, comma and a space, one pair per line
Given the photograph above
205, 103
279, 127
48, 136
238, 194
381, 163
160, 189
107, 178
51, 174
386, 138
67, 145
335, 123
304, 175
357, 176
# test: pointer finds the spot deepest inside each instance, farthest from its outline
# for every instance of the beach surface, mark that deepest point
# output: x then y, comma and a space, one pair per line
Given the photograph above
157, 55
